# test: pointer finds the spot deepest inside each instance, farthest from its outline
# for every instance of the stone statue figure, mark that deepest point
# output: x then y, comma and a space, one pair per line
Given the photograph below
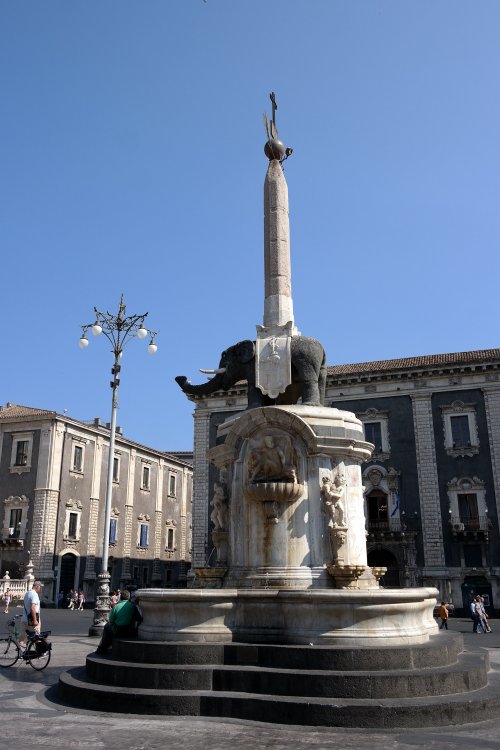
270, 459
332, 491
219, 515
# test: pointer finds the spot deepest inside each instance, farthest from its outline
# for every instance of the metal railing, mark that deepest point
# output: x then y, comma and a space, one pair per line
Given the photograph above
389, 525
461, 524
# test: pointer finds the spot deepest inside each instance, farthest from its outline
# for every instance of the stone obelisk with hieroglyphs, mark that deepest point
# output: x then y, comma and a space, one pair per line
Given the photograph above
273, 345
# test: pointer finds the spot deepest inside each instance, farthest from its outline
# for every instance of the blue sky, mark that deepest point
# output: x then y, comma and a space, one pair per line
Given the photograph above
131, 161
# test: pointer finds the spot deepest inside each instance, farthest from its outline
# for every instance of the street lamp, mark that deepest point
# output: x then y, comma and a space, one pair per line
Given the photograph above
119, 330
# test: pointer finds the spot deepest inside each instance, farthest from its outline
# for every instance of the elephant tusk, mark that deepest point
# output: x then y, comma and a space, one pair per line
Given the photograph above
218, 371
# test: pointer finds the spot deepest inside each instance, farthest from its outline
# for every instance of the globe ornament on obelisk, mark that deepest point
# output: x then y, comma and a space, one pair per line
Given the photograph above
273, 343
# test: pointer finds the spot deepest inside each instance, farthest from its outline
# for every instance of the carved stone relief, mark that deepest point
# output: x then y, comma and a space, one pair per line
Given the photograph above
271, 458
219, 514
220, 517
271, 472
74, 505
333, 495
332, 491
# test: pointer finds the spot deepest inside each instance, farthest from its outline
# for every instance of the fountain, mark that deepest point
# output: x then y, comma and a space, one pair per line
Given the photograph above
289, 624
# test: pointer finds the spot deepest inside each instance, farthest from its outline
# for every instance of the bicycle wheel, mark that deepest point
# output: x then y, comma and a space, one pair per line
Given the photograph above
36, 659
9, 652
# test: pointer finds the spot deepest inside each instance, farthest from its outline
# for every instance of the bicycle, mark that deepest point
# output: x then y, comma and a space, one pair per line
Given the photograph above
37, 652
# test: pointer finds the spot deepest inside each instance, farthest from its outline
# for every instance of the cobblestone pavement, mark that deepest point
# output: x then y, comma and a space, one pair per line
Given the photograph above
29, 717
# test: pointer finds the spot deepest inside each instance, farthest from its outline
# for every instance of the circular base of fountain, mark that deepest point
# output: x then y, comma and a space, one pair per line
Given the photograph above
313, 616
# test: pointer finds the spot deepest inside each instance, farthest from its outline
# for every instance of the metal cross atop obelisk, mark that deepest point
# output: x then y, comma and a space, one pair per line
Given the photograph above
273, 346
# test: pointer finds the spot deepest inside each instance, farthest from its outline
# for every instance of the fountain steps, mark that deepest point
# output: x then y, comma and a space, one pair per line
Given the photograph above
427, 685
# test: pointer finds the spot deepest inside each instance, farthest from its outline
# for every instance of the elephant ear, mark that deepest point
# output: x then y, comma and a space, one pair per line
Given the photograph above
245, 351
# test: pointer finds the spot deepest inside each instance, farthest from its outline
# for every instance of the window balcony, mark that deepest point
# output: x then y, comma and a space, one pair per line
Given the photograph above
11, 538
389, 527
470, 526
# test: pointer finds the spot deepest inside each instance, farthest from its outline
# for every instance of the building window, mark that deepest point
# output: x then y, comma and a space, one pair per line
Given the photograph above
468, 510
113, 527
143, 535
170, 538
467, 505
376, 427
373, 433
21, 453
77, 459
172, 487
135, 574
72, 525
382, 501
72, 522
460, 432
377, 508
460, 429
146, 473
16, 515
116, 469
22, 445
145, 576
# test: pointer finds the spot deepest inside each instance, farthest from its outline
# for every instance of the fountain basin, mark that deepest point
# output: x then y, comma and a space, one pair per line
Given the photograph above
315, 616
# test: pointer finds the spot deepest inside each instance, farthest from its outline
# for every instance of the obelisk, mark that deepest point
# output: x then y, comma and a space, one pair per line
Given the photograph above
273, 358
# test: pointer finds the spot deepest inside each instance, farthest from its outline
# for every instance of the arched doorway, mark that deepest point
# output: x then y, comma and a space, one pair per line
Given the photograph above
67, 573
382, 558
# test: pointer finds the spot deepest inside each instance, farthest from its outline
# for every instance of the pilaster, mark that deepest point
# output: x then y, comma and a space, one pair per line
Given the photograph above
182, 541
127, 541
158, 534
131, 477
90, 571
432, 530
157, 545
97, 467
200, 485
46, 500
43, 532
492, 408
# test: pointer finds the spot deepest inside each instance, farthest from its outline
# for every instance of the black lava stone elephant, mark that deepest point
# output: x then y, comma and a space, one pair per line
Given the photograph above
238, 363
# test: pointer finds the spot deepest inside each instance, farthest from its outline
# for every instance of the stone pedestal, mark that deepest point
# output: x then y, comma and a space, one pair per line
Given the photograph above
293, 482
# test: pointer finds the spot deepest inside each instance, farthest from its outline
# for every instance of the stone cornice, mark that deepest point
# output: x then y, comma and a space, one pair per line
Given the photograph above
83, 431
407, 374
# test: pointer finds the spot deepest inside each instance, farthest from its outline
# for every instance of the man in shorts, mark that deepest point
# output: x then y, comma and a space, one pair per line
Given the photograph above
30, 619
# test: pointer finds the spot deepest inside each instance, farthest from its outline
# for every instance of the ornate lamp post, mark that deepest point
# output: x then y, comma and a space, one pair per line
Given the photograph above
119, 330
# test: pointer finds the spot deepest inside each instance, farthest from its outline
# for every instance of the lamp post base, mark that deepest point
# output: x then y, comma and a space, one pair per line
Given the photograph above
102, 605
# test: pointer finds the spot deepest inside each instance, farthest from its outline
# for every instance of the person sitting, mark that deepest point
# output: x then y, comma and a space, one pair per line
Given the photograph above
124, 619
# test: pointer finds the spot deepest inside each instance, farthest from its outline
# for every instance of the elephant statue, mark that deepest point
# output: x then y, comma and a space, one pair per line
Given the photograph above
238, 363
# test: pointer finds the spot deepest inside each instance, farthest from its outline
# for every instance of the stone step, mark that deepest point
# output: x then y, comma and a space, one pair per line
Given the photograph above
469, 673
442, 649
78, 689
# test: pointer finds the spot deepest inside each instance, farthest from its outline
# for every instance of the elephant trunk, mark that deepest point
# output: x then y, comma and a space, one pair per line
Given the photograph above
204, 389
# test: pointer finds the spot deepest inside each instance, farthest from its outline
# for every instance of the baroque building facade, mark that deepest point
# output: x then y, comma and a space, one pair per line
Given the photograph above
53, 476
432, 485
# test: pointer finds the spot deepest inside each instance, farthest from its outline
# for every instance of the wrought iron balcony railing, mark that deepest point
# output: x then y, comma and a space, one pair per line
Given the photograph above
465, 525
388, 526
